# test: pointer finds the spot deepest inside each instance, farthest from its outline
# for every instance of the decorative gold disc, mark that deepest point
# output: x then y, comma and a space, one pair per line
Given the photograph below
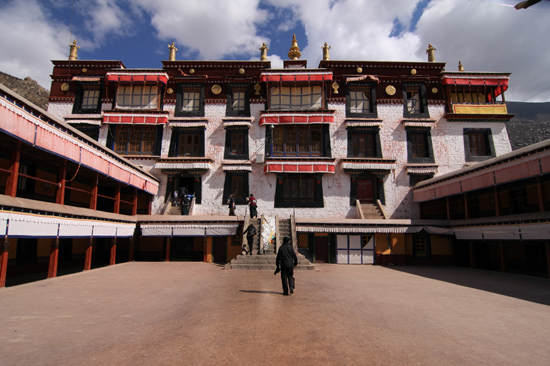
413, 71
169, 91
434, 90
216, 89
64, 87
359, 70
390, 90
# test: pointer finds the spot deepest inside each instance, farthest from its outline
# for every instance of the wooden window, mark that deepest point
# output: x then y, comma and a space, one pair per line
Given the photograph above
236, 143
415, 178
189, 100
421, 246
137, 97
419, 145
478, 144
87, 98
297, 140
135, 140
236, 183
90, 97
415, 101
189, 144
238, 100
363, 144
301, 98
299, 190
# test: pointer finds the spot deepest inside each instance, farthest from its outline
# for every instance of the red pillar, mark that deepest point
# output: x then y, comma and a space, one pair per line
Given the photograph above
466, 214
54, 255
497, 206
112, 259
168, 241
88, 257
93, 198
135, 202
11, 184
117, 199
60, 196
4, 254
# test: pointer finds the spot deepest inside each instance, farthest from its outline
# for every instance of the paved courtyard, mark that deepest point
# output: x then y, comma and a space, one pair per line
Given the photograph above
200, 314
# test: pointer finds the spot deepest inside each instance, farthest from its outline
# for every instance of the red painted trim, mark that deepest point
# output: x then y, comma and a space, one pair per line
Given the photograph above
54, 256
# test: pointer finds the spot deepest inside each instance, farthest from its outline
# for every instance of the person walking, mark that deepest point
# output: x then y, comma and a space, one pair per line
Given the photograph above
176, 200
250, 234
286, 262
231, 203
253, 204
185, 202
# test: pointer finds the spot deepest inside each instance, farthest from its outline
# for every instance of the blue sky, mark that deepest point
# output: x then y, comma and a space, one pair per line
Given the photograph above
485, 35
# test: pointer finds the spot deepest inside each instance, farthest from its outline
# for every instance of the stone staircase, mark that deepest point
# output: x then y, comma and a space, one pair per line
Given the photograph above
256, 243
265, 262
371, 211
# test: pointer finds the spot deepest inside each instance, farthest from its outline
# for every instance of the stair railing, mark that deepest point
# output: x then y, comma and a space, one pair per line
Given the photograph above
379, 204
358, 210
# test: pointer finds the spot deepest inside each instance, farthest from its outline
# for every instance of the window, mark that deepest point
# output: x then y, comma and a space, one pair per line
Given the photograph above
360, 100
237, 100
419, 145
415, 101
421, 246
87, 98
136, 140
299, 190
145, 97
478, 144
236, 183
364, 143
416, 178
301, 98
475, 94
87, 129
298, 140
190, 100
236, 143
187, 142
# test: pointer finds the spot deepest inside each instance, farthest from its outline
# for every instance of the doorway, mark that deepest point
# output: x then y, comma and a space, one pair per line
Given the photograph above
365, 190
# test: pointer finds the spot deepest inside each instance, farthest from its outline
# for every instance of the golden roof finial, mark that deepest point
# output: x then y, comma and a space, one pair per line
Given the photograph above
294, 52
74, 51
326, 56
460, 67
172, 54
264, 49
431, 53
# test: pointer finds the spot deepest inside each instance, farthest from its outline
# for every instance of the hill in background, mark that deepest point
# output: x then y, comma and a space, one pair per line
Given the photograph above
27, 88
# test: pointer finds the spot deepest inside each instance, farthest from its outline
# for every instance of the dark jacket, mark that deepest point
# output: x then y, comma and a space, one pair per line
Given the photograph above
286, 257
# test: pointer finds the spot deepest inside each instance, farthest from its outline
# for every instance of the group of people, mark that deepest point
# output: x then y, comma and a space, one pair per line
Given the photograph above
183, 199
252, 204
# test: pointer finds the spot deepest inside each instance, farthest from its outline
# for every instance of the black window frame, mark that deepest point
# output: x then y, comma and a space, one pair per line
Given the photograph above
325, 141
428, 252
417, 178
373, 110
89, 130
174, 148
229, 133
228, 187
411, 131
282, 200
79, 98
375, 131
489, 144
156, 149
235, 87
179, 100
423, 96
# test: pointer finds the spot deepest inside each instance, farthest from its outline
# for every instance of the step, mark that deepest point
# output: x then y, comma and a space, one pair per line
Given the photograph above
267, 267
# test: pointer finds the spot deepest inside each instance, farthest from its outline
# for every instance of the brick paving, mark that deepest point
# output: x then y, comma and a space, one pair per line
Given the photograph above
180, 313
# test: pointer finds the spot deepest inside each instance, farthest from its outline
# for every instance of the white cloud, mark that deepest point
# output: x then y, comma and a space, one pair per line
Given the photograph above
214, 29
32, 42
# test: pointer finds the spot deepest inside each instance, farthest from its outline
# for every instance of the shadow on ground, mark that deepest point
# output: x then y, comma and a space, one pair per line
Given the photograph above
533, 289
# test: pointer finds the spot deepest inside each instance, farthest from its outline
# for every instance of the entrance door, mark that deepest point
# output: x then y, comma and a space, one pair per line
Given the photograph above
181, 248
365, 190
219, 250
321, 249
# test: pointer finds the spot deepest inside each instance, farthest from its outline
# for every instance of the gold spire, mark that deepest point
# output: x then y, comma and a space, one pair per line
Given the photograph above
172, 54
294, 52
326, 56
74, 51
263, 55
431, 53
460, 67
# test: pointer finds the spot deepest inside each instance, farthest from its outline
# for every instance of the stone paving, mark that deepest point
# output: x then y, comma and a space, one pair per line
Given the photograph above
181, 313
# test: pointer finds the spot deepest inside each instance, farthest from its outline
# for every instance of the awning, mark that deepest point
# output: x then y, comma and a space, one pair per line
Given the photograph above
237, 167
137, 77
188, 124
424, 124
27, 225
298, 167
350, 229
421, 170
135, 118
183, 165
88, 79
350, 79
237, 124
501, 83
363, 123
280, 77
368, 166
189, 229
305, 118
